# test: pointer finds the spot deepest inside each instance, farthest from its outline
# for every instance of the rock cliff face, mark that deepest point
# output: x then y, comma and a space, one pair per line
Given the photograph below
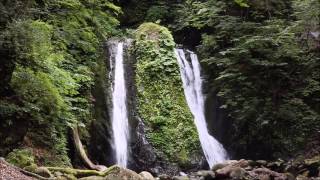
142, 153
100, 144
157, 110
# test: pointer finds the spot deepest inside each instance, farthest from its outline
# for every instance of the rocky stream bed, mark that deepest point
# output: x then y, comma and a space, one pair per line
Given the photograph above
300, 169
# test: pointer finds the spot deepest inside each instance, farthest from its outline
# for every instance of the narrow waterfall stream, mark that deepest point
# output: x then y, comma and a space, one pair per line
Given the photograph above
192, 84
120, 125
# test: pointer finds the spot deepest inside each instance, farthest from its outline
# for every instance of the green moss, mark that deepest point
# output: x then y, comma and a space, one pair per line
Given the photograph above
161, 102
21, 158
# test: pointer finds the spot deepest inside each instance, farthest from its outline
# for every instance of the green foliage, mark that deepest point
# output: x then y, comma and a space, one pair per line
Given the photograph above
154, 44
161, 102
54, 59
242, 3
261, 59
21, 158
43, 87
263, 77
196, 14
8, 110
157, 13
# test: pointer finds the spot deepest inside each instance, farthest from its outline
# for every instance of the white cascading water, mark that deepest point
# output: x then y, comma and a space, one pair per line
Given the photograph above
120, 124
192, 84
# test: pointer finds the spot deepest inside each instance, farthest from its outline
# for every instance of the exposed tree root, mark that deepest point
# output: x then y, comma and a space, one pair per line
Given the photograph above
81, 172
97, 170
82, 153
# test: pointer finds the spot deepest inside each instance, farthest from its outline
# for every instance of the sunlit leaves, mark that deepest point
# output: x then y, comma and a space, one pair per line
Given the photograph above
242, 3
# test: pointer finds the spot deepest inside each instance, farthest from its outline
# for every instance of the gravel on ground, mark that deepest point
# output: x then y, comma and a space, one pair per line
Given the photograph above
8, 172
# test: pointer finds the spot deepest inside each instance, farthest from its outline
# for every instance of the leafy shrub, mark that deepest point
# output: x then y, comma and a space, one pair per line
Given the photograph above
21, 158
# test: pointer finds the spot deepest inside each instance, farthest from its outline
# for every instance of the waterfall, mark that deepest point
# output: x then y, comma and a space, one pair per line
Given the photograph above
192, 84
120, 125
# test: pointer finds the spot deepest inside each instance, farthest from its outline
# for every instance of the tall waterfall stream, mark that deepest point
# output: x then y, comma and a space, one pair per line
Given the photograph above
192, 84
120, 126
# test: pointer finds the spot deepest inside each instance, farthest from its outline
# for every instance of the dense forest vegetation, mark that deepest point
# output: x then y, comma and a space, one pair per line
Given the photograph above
260, 60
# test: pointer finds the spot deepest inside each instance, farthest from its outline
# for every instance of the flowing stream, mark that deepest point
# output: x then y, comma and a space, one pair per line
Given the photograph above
192, 84
120, 125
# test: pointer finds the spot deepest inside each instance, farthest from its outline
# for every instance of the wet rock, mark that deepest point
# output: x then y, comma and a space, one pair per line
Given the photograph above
261, 162
195, 163
237, 173
207, 175
146, 157
315, 161
117, 172
93, 178
290, 176
224, 164
277, 165
249, 168
232, 166
146, 175
181, 178
164, 177
305, 173
301, 177
252, 163
219, 166
264, 173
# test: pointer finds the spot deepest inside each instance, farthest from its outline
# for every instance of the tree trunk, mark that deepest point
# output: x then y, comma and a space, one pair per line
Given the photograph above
82, 153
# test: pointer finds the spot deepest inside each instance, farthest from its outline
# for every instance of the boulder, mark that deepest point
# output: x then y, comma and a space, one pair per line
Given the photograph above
301, 177
264, 173
278, 165
164, 177
235, 166
146, 175
119, 173
261, 162
93, 178
207, 175
219, 166
237, 173
222, 165
315, 161
290, 176
181, 178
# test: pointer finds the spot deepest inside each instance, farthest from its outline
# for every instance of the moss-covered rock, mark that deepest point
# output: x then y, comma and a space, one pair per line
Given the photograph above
161, 102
